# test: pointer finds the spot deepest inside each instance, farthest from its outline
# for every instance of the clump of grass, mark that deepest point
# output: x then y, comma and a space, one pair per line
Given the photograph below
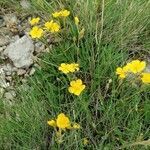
112, 114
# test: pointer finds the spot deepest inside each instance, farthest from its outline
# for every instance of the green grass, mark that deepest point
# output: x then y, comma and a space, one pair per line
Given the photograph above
112, 115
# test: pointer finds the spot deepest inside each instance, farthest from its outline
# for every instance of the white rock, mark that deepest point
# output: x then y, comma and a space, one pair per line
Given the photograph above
39, 47
21, 72
32, 71
21, 52
37, 66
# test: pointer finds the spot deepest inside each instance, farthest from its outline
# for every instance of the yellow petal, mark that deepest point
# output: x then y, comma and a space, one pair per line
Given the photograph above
52, 123
76, 19
62, 121
76, 126
145, 77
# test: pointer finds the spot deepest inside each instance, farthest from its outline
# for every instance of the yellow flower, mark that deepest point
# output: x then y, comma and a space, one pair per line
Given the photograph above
136, 66
48, 25
56, 14
85, 141
52, 26
76, 87
63, 121
55, 27
67, 68
121, 72
73, 67
76, 20
52, 123
64, 68
36, 32
34, 21
65, 13
145, 77
76, 126
62, 13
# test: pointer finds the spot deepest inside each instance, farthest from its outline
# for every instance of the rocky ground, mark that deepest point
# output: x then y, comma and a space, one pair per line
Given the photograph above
18, 52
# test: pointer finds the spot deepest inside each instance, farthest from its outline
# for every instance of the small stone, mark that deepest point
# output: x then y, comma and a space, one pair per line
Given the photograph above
37, 66
39, 48
21, 52
21, 72
32, 71
10, 95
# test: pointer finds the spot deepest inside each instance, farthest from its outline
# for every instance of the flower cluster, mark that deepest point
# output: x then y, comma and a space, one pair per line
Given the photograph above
62, 123
62, 13
52, 26
135, 67
49, 26
69, 68
76, 86
38, 32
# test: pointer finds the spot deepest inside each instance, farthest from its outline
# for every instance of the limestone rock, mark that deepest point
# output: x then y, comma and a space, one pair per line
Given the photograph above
32, 71
21, 72
21, 52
